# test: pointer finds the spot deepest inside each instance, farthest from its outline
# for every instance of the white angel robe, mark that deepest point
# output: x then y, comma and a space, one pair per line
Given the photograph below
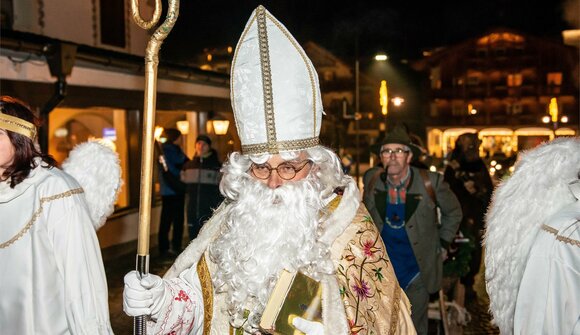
549, 295
52, 279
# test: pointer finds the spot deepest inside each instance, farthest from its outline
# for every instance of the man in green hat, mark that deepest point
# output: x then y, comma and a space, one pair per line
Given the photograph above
403, 201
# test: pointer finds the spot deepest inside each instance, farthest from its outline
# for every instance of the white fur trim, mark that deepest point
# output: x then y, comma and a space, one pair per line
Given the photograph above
537, 189
97, 169
342, 216
333, 313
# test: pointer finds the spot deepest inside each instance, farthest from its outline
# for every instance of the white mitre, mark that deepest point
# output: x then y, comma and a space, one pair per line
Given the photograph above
274, 89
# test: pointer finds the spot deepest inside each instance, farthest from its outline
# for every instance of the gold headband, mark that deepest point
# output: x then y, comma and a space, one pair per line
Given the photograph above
17, 125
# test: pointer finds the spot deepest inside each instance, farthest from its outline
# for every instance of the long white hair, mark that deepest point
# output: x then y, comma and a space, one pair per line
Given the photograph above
267, 230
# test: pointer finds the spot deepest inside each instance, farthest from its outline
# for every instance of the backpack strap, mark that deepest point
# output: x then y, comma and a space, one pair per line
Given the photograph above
428, 185
372, 182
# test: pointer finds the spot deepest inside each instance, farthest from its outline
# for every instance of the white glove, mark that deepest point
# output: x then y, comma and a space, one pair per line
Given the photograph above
308, 327
143, 296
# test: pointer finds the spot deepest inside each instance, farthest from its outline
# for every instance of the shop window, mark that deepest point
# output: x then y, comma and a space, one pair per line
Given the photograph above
69, 127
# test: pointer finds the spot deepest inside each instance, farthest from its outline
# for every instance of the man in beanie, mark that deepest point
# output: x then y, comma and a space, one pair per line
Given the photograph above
403, 201
201, 175
280, 211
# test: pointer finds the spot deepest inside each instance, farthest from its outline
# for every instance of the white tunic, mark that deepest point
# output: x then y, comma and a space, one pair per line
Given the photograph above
549, 296
52, 279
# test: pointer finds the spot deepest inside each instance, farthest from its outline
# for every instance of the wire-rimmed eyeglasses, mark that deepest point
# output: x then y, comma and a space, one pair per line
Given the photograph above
285, 170
398, 152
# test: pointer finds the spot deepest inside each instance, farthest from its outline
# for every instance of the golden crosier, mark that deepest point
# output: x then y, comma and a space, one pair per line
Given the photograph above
149, 104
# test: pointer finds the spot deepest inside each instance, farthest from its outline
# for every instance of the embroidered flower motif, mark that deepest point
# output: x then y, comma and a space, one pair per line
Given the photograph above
354, 329
182, 296
369, 248
361, 288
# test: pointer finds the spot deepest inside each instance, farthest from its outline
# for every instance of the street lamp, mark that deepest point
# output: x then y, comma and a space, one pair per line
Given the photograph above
357, 116
183, 127
381, 57
220, 127
397, 101
553, 115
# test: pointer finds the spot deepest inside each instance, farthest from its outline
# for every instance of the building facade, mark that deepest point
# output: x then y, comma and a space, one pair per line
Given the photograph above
515, 90
80, 65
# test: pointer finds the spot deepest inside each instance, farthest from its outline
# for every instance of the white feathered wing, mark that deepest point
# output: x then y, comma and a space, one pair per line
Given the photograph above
97, 169
537, 189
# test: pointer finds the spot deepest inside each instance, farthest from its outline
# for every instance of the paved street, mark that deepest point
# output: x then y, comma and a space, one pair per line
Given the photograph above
122, 324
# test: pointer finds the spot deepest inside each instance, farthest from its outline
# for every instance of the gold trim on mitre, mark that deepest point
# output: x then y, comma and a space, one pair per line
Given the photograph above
266, 77
17, 125
281, 146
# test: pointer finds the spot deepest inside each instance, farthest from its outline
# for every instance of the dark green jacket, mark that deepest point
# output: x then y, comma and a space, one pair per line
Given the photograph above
422, 224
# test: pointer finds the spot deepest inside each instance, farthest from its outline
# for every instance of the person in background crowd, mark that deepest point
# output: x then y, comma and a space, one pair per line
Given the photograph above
201, 175
469, 179
532, 243
53, 280
402, 201
172, 195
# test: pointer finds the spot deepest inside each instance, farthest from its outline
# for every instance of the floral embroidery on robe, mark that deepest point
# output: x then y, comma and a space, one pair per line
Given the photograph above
368, 285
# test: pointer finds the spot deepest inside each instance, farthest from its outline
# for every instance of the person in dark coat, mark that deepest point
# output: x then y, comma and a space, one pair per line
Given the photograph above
201, 176
172, 195
399, 200
469, 179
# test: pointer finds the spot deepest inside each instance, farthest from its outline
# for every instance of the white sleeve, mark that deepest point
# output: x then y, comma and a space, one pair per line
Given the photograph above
182, 311
78, 259
549, 296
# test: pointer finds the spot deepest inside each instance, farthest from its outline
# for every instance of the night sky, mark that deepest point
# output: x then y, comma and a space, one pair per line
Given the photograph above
402, 28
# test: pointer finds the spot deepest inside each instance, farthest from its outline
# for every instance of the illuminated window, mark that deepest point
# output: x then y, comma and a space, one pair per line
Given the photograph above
554, 78
514, 79
435, 78
328, 75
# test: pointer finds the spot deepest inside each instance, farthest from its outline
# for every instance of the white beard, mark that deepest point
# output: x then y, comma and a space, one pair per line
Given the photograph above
266, 231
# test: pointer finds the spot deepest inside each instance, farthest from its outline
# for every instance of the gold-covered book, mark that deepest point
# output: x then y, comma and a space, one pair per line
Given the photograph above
295, 294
